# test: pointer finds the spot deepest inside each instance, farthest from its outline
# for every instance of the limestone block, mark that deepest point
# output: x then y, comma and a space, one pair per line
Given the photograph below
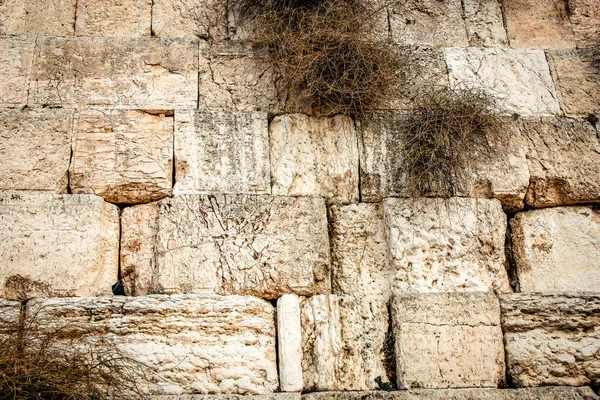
428, 22
269, 396
448, 340
35, 147
123, 156
37, 17
9, 314
12, 17
58, 245
342, 341
289, 339
556, 249
201, 344
113, 18
139, 73
221, 151
483, 20
564, 162
446, 245
189, 18
314, 157
552, 340
260, 245
585, 21
16, 57
577, 81
520, 78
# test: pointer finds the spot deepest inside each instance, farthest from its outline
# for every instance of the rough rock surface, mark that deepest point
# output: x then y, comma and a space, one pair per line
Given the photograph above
519, 78
552, 340
189, 18
259, 245
314, 157
123, 156
35, 148
289, 343
269, 396
483, 20
556, 249
37, 17
206, 344
58, 245
128, 18
16, 57
139, 73
446, 245
221, 151
585, 21
448, 340
9, 313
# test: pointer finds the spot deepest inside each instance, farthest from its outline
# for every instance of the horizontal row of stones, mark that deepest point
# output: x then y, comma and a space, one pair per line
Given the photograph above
531, 24
227, 344
167, 74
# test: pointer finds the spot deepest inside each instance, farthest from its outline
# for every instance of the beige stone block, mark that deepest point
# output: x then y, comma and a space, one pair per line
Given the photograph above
63, 245
585, 22
221, 151
12, 17
556, 249
314, 157
260, 245
195, 344
37, 17
270, 396
35, 147
289, 343
189, 18
123, 156
552, 340
16, 57
138, 73
448, 340
127, 18
484, 23
9, 315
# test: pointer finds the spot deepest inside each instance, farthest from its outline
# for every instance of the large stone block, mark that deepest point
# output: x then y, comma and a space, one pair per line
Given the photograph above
194, 344
123, 156
221, 151
483, 20
139, 73
448, 340
519, 78
552, 340
314, 157
35, 147
259, 245
113, 18
585, 21
16, 58
289, 343
446, 245
37, 17
55, 245
189, 18
556, 249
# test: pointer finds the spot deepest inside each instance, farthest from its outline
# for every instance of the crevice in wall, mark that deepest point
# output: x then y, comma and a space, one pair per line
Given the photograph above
510, 264
331, 245
274, 304
389, 354
358, 147
152, 34
75, 18
69, 191
174, 159
117, 288
503, 11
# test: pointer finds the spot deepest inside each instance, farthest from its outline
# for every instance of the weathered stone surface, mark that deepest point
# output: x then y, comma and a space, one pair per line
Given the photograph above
113, 18
140, 73
12, 17
37, 17
520, 78
289, 340
483, 20
9, 313
63, 245
269, 396
556, 249
206, 344
342, 340
448, 340
16, 57
35, 147
552, 340
446, 245
314, 157
189, 18
585, 21
221, 151
260, 245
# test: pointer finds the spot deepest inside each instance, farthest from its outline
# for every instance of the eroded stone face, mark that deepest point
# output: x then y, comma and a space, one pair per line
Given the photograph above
585, 22
483, 20
127, 18
551, 340
37, 17
58, 245
189, 18
259, 245
16, 57
9, 314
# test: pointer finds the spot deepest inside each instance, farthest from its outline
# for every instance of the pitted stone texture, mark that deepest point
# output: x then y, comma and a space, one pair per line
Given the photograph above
564, 162
585, 21
552, 340
260, 245
342, 340
64, 245
314, 157
16, 57
37, 17
189, 18
483, 20
35, 147
446, 245
139, 73
448, 340
428, 22
221, 151
123, 156
127, 18
519, 78
209, 344
556, 249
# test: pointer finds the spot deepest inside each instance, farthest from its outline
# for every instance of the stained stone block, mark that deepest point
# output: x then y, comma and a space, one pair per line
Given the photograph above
37, 17
448, 340
123, 156
260, 245
189, 18
16, 57
58, 245
585, 21
483, 20
127, 18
